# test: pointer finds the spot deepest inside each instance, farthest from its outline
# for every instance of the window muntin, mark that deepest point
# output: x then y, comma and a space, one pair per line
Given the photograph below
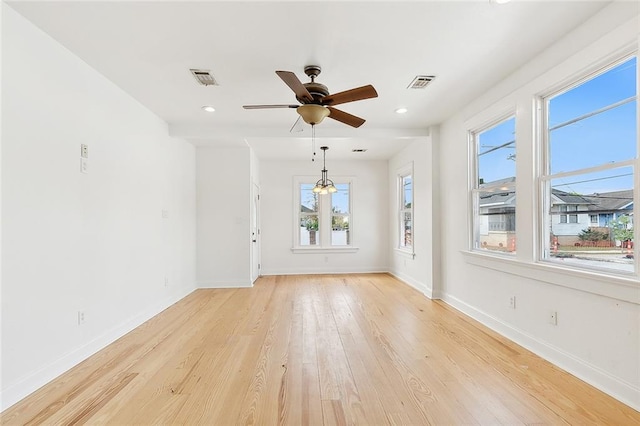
405, 188
322, 221
591, 136
494, 190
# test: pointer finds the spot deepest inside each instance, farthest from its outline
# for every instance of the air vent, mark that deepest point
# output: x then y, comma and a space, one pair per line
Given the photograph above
421, 81
204, 77
359, 150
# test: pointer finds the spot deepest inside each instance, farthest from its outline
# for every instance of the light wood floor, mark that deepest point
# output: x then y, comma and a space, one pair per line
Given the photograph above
297, 350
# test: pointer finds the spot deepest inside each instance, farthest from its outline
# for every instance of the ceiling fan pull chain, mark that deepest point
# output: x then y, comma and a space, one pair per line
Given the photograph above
313, 142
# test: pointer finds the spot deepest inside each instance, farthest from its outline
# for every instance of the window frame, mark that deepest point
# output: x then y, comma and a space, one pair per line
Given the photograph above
474, 180
544, 176
324, 217
402, 173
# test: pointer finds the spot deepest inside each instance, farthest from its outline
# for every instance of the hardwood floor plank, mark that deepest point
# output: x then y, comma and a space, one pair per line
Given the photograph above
359, 349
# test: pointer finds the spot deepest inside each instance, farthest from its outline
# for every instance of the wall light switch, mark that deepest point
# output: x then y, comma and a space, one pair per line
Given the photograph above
84, 150
84, 165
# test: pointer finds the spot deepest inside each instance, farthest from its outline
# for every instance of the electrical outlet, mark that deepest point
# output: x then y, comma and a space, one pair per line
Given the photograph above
84, 150
80, 317
512, 302
165, 214
553, 317
166, 281
84, 165
326, 259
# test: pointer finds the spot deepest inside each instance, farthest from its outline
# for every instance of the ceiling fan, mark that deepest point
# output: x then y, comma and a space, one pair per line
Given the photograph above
316, 101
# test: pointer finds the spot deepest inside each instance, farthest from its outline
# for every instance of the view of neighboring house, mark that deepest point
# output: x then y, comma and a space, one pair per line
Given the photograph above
570, 215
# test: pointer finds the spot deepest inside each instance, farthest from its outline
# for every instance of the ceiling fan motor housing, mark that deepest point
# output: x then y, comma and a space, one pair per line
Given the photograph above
316, 90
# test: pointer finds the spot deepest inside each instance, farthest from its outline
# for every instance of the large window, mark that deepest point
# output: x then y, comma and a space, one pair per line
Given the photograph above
493, 188
322, 221
590, 139
405, 208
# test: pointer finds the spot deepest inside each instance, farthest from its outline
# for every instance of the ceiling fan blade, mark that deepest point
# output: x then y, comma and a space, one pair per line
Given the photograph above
294, 84
268, 106
357, 94
345, 117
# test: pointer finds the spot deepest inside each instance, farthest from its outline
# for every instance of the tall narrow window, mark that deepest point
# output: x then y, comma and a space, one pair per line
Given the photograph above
405, 191
494, 188
590, 160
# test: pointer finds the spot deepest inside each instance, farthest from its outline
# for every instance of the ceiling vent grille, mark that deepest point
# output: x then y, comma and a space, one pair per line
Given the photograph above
359, 150
204, 77
421, 81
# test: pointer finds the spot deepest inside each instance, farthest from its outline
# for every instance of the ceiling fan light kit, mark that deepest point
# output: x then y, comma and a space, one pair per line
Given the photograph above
313, 114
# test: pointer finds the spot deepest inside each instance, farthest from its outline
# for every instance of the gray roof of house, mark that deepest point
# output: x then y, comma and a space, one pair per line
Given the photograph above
601, 202
569, 198
496, 198
615, 200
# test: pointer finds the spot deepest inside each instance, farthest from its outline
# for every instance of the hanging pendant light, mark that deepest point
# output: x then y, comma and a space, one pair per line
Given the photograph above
324, 185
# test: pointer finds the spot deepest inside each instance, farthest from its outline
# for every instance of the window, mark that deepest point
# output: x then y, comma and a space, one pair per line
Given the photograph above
590, 137
405, 208
322, 221
568, 218
493, 189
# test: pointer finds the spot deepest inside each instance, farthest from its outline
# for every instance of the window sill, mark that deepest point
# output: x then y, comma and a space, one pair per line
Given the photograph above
615, 287
309, 250
405, 253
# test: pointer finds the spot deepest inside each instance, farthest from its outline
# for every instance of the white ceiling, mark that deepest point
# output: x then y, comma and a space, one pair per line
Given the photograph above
148, 47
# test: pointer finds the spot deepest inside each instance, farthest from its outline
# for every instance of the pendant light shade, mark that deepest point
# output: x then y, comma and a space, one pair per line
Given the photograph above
324, 185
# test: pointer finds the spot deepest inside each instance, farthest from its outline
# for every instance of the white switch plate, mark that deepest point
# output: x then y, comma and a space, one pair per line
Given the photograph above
84, 150
84, 165
165, 214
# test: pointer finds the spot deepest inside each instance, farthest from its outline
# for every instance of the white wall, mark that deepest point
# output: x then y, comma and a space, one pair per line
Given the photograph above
423, 270
72, 242
370, 233
224, 221
597, 337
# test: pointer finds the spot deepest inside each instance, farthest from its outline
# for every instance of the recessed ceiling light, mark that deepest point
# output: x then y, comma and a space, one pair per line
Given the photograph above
401, 110
208, 108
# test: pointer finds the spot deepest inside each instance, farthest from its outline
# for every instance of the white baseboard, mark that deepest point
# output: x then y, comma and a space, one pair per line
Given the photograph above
40, 377
325, 270
224, 284
420, 286
598, 378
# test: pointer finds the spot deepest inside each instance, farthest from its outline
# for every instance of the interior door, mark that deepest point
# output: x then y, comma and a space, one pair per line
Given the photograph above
255, 234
